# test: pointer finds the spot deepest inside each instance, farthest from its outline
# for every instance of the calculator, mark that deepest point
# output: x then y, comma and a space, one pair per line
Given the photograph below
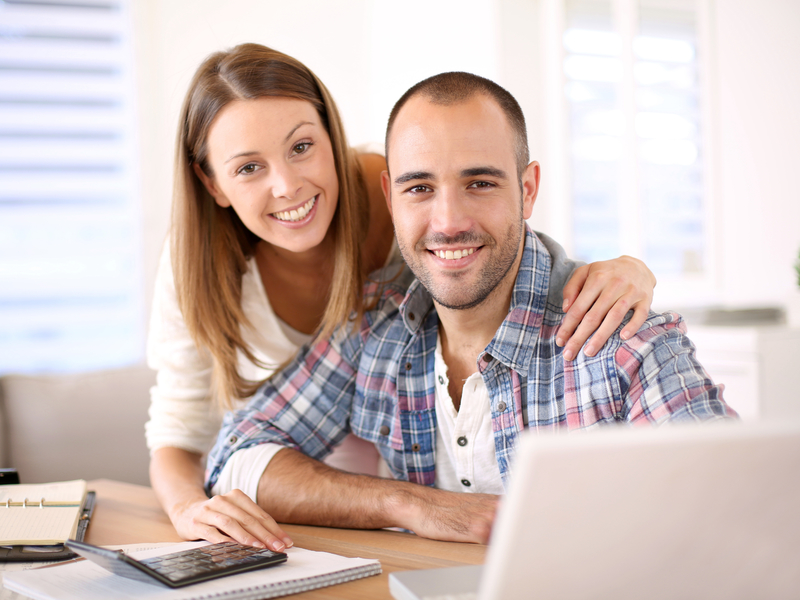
182, 568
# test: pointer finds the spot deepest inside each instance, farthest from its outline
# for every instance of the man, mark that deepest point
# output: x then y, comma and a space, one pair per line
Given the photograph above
457, 355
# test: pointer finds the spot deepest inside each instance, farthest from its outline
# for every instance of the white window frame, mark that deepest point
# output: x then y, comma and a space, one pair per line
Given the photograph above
685, 290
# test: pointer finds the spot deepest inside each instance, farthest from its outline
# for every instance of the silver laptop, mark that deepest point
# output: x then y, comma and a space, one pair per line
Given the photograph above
684, 512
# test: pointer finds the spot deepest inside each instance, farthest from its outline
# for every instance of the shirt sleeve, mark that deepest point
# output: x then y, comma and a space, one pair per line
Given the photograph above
306, 406
244, 469
661, 379
181, 412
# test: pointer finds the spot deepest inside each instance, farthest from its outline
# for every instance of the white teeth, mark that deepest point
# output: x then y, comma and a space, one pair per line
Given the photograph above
453, 255
297, 214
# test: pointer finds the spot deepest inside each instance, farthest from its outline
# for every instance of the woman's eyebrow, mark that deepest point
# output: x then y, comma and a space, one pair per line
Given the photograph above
295, 128
286, 139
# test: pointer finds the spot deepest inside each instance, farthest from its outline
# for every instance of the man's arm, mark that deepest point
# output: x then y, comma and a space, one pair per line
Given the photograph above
297, 489
661, 378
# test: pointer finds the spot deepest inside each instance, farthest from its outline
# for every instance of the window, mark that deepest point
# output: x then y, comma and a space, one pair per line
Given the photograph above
70, 272
633, 123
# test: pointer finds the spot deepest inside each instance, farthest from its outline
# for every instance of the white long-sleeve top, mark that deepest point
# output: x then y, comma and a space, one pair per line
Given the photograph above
182, 412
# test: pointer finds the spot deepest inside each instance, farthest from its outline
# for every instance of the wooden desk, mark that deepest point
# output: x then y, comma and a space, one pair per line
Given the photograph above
130, 514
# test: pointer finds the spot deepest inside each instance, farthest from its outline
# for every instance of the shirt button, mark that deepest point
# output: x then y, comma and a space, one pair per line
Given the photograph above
465, 482
408, 366
441, 380
384, 430
501, 406
462, 441
411, 316
415, 447
233, 439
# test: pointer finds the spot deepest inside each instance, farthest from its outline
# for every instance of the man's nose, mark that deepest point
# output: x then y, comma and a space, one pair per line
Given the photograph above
285, 182
450, 214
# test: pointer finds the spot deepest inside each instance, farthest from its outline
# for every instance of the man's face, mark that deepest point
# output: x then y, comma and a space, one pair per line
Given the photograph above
455, 199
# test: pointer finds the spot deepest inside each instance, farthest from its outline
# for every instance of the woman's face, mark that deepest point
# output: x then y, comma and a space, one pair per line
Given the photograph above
273, 163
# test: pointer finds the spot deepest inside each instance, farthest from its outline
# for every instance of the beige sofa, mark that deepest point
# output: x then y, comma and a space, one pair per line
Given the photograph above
77, 426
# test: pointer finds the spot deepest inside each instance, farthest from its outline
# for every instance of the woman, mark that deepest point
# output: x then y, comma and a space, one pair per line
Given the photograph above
276, 222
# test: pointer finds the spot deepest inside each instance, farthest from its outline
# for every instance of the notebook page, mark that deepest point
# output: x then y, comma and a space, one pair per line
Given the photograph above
37, 526
85, 580
63, 492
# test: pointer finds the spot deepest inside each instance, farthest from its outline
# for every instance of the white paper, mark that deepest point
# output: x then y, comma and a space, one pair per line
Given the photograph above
85, 580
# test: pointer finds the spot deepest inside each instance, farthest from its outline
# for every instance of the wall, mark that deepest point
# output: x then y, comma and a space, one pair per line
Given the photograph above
758, 66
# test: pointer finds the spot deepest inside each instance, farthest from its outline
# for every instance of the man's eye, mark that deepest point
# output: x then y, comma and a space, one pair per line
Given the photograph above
419, 189
482, 184
301, 147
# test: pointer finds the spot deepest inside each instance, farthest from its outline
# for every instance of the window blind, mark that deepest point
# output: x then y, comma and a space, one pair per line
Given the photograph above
70, 268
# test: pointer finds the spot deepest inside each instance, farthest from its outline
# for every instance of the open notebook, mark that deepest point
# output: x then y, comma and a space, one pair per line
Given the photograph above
709, 511
41, 513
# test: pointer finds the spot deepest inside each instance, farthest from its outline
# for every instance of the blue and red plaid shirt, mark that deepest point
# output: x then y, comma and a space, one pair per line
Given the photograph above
379, 382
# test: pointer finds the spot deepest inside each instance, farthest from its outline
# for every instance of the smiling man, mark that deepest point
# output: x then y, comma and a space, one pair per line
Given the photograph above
458, 354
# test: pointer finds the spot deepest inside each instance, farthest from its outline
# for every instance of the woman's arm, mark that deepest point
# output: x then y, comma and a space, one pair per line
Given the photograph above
177, 478
598, 296
181, 418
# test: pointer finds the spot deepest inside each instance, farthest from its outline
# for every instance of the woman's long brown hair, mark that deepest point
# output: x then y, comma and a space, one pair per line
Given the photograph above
210, 244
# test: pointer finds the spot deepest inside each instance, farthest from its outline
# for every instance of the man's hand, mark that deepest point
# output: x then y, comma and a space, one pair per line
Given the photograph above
297, 489
597, 298
447, 516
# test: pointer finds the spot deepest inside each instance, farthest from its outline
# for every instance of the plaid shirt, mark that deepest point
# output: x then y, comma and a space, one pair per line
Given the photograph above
379, 383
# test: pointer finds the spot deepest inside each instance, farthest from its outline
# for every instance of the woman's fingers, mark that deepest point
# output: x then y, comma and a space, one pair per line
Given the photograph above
233, 516
237, 516
606, 291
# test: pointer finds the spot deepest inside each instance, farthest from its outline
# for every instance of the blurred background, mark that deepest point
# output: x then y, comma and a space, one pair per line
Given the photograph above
666, 129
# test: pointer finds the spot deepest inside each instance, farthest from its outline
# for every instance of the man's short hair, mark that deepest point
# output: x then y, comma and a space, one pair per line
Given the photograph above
457, 87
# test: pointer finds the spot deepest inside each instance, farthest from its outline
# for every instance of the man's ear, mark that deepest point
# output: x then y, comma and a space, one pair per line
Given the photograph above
530, 188
211, 186
386, 186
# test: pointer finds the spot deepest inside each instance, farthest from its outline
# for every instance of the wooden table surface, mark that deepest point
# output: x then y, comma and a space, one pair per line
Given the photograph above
129, 514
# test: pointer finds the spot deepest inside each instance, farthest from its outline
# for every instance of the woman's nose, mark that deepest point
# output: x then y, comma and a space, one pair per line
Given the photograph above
286, 182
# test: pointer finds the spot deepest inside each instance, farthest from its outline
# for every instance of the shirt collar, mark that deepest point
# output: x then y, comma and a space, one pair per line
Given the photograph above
514, 342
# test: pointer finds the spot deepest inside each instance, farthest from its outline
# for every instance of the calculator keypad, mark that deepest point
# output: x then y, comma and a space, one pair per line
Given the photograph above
216, 559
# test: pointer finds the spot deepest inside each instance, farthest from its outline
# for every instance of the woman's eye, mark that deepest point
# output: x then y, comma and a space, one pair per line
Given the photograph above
248, 169
301, 147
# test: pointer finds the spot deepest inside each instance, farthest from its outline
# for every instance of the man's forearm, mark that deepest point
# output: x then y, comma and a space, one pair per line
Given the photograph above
297, 489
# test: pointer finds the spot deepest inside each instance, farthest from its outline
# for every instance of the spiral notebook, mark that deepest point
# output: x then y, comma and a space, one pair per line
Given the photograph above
40, 514
83, 580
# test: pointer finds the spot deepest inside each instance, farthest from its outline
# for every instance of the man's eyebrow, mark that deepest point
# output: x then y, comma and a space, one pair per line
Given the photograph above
478, 171
413, 176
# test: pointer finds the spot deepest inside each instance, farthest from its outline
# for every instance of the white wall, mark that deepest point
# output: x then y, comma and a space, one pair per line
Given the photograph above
369, 51
758, 66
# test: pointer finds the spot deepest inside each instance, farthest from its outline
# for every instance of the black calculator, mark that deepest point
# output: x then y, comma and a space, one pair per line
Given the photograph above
182, 568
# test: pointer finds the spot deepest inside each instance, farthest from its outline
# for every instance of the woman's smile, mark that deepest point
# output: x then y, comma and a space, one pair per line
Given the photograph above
299, 215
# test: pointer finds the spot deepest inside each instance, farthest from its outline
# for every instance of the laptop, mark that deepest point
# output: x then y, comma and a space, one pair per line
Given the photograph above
680, 512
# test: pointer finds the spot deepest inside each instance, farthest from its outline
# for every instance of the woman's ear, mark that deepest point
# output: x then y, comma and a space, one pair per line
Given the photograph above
211, 186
